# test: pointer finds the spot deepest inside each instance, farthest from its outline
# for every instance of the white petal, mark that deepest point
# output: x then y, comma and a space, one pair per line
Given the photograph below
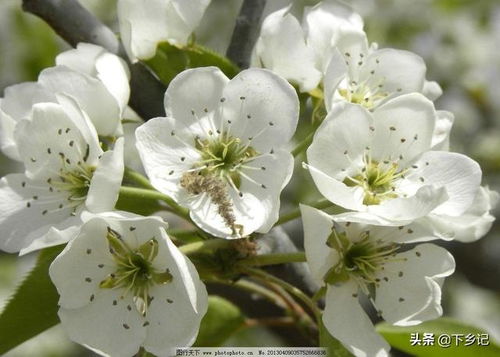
460, 175
335, 150
177, 308
197, 91
114, 74
336, 191
345, 319
16, 105
106, 328
337, 70
405, 209
106, 181
90, 93
432, 90
77, 271
403, 126
249, 212
7, 143
398, 71
24, 218
54, 237
165, 156
132, 158
82, 58
145, 23
331, 24
277, 172
317, 228
261, 105
281, 48
441, 136
386, 230
470, 226
409, 287
51, 138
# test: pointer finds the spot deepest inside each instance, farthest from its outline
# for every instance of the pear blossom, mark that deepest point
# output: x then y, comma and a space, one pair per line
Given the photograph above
66, 171
123, 284
355, 260
370, 77
301, 52
95, 78
471, 225
220, 151
146, 23
387, 171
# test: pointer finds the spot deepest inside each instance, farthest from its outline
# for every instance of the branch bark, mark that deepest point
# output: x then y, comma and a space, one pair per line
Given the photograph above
75, 24
245, 33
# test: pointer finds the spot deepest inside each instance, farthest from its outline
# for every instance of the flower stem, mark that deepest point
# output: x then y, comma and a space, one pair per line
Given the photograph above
273, 259
205, 245
287, 286
321, 204
304, 144
147, 194
138, 178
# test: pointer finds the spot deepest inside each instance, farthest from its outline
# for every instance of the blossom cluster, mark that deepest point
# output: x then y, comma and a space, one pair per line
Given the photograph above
222, 153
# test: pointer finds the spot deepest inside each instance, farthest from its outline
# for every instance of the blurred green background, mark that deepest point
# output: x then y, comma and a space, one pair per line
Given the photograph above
460, 42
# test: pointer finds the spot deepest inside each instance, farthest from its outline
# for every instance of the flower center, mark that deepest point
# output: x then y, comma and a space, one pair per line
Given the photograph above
76, 182
135, 271
377, 180
223, 157
360, 260
362, 94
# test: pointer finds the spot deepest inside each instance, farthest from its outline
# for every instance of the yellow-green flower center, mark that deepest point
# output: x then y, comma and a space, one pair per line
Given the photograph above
360, 260
377, 180
135, 271
223, 156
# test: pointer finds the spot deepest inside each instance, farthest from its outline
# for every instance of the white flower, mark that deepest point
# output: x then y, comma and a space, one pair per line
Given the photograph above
219, 151
66, 171
145, 23
357, 259
471, 225
95, 78
380, 163
301, 52
370, 77
123, 284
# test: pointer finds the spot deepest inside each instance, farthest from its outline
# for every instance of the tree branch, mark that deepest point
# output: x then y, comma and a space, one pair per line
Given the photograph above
75, 24
245, 33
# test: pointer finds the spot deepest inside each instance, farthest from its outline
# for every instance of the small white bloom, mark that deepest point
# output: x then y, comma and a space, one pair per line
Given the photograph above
370, 77
469, 226
123, 284
95, 78
380, 163
301, 52
355, 259
145, 23
220, 150
66, 171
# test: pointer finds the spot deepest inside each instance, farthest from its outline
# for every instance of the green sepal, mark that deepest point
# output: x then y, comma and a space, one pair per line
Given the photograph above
220, 322
401, 337
33, 307
170, 60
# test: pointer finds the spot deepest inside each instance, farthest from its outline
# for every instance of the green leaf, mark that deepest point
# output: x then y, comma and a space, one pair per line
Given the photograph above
170, 60
222, 320
333, 345
400, 337
33, 307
